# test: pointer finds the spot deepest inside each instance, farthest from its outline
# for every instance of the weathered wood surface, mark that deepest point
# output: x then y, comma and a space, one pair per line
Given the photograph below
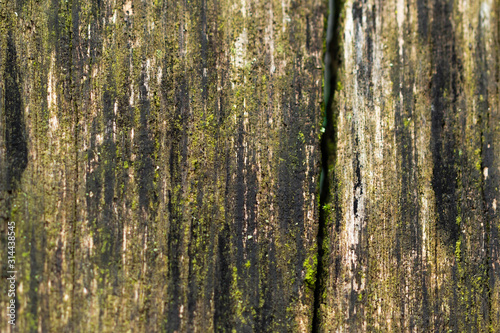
413, 243
161, 161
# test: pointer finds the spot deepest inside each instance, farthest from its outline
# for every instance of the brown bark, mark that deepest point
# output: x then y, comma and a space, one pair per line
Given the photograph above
414, 238
161, 160
172, 163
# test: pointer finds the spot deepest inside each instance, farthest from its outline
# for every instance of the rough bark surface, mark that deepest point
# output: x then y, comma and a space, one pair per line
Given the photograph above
161, 160
413, 242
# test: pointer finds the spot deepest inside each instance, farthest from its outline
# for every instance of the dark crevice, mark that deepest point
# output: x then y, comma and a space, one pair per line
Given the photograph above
16, 153
15, 159
178, 160
328, 146
444, 106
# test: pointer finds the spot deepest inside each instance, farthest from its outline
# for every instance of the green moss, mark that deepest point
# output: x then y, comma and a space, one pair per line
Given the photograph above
458, 250
407, 122
310, 265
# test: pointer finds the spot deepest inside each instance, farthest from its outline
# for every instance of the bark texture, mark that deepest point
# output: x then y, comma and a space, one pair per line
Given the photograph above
161, 160
413, 242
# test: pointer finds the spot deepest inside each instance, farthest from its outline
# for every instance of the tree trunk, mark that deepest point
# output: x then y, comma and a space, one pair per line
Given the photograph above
413, 243
161, 161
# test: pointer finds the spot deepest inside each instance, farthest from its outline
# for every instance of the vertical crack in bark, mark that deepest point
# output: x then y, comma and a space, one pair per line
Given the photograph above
328, 153
73, 104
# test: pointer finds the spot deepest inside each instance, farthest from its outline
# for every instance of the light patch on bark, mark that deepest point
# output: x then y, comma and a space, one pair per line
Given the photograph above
240, 49
51, 86
53, 123
127, 7
355, 220
400, 18
159, 76
132, 94
348, 32
115, 111
147, 78
269, 40
99, 138
286, 18
88, 243
309, 197
485, 12
243, 8
378, 81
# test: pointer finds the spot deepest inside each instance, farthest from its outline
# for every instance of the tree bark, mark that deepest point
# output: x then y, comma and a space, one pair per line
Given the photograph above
161, 161
413, 243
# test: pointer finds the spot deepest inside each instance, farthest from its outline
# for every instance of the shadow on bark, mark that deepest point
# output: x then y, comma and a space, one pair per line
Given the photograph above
16, 154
